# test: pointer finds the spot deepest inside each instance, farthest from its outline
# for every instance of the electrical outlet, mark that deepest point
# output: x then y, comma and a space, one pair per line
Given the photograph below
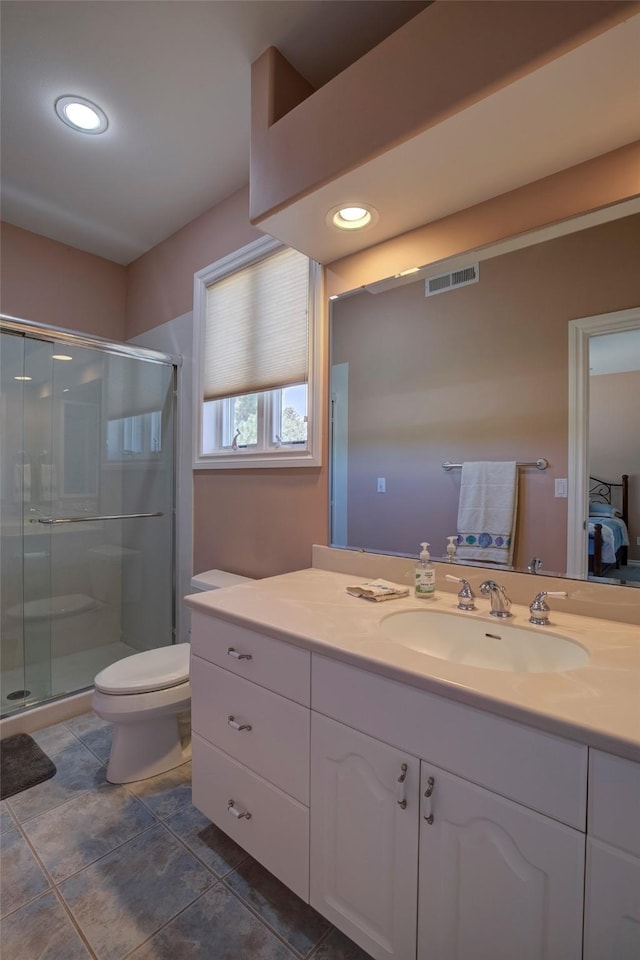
382, 485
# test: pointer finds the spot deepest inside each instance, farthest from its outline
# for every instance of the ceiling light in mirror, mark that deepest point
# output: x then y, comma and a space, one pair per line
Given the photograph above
81, 114
352, 216
61, 356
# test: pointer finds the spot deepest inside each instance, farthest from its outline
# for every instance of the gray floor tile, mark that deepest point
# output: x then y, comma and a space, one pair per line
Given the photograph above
21, 877
78, 770
54, 740
215, 927
166, 793
41, 930
125, 897
95, 733
295, 921
220, 853
86, 828
6, 820
338, 947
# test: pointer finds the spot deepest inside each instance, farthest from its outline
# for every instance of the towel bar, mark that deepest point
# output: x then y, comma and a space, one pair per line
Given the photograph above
541, 464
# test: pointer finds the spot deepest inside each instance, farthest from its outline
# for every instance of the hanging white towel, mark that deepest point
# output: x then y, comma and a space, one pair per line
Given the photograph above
487, 511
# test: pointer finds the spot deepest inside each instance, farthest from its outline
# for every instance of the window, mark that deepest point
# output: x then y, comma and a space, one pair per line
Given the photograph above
257, 340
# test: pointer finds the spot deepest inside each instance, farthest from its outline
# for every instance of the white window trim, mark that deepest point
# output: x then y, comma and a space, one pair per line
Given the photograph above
282, 457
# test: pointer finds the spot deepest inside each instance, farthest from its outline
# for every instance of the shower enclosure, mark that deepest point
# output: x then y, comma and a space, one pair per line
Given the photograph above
87, 462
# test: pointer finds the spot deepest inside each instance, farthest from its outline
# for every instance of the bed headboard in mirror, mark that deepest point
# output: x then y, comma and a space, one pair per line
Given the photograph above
480, 372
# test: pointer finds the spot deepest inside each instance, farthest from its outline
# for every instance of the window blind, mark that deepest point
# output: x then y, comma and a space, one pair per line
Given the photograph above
256, 327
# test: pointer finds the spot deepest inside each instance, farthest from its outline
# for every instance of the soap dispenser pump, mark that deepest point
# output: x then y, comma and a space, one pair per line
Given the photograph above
425, 587
451, 548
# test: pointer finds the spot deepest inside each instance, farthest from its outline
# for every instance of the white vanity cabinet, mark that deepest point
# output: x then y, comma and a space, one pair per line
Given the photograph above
496, 878
497, 881
250, 743
364, 838
612, 889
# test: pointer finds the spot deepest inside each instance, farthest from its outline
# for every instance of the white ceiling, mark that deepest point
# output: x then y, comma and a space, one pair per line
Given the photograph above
174, 79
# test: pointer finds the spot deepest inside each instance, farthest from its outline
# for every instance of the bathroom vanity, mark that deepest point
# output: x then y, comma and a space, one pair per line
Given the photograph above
427, 808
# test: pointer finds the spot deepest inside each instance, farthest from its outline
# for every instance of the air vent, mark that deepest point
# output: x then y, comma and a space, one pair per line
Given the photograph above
447, 281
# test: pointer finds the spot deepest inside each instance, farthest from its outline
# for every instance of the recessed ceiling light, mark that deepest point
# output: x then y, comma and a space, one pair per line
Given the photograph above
22, 378
60, 356
352, 216
81, 114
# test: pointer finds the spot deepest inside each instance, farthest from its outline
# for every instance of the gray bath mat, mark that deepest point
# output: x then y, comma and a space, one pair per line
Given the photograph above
22, 764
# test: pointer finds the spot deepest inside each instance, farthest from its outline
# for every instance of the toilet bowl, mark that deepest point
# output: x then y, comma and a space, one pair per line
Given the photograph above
145, 696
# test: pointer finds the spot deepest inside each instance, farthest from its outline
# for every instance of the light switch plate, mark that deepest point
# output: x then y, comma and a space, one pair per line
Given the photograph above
561, 487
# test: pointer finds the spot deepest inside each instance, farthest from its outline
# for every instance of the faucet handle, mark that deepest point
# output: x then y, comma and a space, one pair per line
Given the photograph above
539, 609
466, 596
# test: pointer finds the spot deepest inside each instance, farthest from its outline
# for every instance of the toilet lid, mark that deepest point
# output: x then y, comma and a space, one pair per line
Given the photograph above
143, 672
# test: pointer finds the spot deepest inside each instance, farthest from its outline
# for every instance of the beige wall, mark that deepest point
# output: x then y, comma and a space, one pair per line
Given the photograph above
253, 522
479, 373
49, 282
614, 438
160, 283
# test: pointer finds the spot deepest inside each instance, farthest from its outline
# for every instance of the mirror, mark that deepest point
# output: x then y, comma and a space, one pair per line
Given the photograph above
479, 371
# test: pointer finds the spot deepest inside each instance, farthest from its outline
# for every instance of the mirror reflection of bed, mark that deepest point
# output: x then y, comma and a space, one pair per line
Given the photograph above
609, 530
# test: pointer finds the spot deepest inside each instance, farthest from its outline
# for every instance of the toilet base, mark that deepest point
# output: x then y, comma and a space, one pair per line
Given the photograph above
145, 748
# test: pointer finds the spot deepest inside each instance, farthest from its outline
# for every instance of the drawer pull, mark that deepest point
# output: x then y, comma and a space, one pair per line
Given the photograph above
237, 812
238, 656
426, 806
400, 797
231, 720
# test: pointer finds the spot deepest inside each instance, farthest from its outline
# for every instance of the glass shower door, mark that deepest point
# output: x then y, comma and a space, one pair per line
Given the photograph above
25, 546
93, 529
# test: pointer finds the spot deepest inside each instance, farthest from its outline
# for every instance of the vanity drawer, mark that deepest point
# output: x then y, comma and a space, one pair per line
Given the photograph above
277, 831
539, 770
279, 666
276, 746
614, 800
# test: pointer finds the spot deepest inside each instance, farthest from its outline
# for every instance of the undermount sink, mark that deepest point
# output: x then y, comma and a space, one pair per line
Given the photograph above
460, 638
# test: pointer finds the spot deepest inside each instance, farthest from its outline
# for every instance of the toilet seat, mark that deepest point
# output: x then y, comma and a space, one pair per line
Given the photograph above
146, 672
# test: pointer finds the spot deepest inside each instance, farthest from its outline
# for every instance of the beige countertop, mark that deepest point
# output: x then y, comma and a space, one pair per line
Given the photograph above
598, 704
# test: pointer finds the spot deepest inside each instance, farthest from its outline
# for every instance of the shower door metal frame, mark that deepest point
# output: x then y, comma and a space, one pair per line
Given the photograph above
39, 331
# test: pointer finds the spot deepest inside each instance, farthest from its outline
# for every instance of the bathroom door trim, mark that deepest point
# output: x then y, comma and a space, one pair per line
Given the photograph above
580, 332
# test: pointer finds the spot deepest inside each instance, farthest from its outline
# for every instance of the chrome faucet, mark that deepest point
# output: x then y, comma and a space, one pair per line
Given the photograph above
500, 603
534, 565
466, 596
540, 609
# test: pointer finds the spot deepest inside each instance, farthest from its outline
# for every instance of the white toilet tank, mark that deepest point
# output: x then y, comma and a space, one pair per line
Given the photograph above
215, 579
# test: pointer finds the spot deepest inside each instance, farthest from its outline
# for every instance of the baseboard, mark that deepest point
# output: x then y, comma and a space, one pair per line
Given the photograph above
35, 718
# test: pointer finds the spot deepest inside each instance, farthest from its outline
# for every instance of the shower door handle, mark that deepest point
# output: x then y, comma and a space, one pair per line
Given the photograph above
123, 516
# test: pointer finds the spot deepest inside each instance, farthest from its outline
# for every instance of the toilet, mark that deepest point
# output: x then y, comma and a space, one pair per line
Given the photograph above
144, 696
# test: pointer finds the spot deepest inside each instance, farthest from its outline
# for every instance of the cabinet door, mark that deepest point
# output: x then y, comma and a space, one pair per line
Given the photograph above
364, 838
497, 880
612, 908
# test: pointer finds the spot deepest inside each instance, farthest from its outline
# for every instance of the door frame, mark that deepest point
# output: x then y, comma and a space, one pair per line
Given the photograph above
580, 332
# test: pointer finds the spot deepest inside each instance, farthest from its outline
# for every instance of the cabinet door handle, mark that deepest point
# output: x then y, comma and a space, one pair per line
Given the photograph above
427, 812
231, 720
238, 656
237, 812
400, 797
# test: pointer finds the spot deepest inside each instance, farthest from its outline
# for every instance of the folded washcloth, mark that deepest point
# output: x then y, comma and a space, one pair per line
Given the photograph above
378, 590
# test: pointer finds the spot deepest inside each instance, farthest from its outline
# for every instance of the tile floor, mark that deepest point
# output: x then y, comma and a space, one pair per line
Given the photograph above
93, 870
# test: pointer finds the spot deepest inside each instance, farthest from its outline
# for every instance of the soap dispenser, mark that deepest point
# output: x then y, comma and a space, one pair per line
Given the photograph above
425, 575
451, 548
